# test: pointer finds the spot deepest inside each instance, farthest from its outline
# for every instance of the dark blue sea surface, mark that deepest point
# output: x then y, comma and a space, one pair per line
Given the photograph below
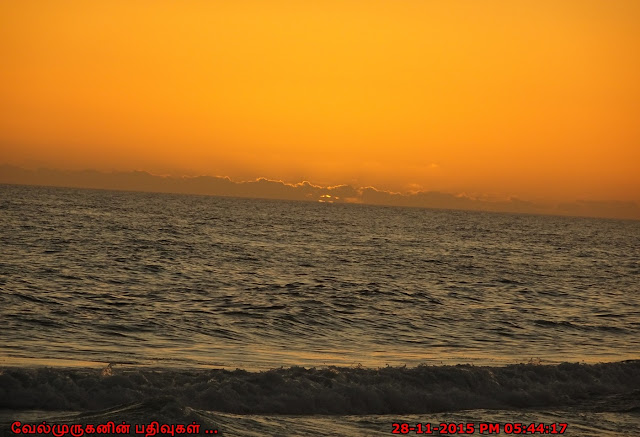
190, 285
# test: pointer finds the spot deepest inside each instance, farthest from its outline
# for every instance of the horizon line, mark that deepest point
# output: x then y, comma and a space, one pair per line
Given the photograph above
265, 188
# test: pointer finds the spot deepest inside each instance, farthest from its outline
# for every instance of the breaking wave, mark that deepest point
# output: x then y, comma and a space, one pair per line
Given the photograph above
331, 390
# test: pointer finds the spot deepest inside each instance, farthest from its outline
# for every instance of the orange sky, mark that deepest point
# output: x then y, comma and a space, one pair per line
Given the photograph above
537, 99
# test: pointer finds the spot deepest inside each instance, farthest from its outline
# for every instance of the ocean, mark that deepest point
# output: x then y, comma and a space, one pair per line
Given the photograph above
265, 317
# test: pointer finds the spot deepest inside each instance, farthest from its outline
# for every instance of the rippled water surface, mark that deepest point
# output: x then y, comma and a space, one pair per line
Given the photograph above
192, 281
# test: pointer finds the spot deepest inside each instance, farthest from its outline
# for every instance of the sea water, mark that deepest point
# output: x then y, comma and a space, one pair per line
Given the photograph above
340, 318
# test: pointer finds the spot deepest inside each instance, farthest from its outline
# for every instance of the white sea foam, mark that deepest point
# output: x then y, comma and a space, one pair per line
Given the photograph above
244, 403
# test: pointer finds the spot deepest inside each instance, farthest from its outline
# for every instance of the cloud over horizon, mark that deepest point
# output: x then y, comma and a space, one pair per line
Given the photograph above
306, 191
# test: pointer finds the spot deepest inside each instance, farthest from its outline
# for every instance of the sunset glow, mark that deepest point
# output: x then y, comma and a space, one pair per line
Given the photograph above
533, 99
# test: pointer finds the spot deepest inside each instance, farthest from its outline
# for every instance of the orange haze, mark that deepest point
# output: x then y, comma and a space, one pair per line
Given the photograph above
537, 99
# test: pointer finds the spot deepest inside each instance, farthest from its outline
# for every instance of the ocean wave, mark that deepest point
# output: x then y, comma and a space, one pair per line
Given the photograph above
330, 390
